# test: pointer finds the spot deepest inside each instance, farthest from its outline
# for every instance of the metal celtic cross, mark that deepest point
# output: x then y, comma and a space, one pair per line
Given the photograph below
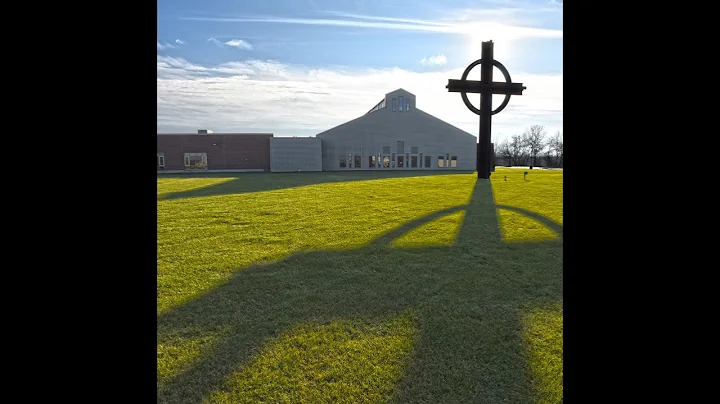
486, 87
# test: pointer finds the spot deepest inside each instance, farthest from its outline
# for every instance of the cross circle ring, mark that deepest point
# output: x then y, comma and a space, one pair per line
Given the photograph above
504, 72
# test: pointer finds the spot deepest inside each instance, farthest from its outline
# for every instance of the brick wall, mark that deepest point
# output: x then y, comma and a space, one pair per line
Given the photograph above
224, 151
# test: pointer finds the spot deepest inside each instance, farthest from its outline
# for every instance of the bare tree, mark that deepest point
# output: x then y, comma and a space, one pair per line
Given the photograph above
517, 150
555, 144
534, 139
502, 150
548, 158
559, 148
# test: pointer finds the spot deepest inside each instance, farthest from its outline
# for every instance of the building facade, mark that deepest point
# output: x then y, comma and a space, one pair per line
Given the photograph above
396, 135
393, 135
295, 154
206, 151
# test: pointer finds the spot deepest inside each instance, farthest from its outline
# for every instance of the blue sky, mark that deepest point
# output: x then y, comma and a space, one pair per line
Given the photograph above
299, 67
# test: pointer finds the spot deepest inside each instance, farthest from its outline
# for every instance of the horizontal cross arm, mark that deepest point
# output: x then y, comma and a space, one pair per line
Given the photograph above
496, 87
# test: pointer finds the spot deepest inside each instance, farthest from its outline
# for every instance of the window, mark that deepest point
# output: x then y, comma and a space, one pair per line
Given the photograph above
161, 161
400, 105
447, 159
386, 161
386, 149
371, 161
349, 160
428, 161
394, 104
400, 161
342, 162
400, 147
441, 161
358, 162
196, 161
413, 161
407, 156
393, 160
413, 150
453, 161
407, 105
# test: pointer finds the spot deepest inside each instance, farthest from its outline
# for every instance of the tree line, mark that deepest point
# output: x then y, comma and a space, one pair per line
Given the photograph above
532, 148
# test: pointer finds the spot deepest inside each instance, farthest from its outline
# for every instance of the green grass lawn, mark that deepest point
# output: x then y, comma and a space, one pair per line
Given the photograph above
360, 288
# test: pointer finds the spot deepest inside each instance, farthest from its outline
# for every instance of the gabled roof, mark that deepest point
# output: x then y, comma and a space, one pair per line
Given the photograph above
400, 90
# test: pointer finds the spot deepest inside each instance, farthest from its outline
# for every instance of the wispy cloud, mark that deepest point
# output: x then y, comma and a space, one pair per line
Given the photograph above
392, 19
295, 100
555, 3
165, 45
215, 41
236, 43
179, 42
434, 60
239, 43
483, 28
508, 13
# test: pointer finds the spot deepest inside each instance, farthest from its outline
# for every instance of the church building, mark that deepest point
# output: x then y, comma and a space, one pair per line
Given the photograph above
396, 135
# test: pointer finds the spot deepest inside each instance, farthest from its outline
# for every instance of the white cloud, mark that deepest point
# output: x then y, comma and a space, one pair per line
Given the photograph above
290, 100
434, 60
179, 42
215, 41
239, 43
165, 45
391, 19
482, 28
456, 19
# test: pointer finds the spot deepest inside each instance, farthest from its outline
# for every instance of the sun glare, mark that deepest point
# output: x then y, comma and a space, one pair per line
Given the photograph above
476, 34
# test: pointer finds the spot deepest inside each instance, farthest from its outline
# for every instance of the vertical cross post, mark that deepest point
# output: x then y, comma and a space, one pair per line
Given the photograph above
486, 88
486, 77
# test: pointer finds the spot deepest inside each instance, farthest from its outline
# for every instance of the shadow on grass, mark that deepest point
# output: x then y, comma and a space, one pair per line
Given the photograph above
248, 182
468, 301
549, 223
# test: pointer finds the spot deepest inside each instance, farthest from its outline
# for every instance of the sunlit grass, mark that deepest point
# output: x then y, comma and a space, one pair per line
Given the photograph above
544, 346
539, 192
263, 294
202, 240
167, 185
175, 355
518, 227
349, 361
439, 232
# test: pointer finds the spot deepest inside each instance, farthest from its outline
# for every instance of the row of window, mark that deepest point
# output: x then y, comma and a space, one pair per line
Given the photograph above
397, 104
379, 106
198, 161
406, 161
193, 161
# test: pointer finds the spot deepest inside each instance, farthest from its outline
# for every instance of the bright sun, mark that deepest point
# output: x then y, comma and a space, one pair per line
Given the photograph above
503, 49
503, 52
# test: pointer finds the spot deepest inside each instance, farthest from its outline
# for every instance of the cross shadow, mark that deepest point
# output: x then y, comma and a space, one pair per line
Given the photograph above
247, 182
468, 297
549, 223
